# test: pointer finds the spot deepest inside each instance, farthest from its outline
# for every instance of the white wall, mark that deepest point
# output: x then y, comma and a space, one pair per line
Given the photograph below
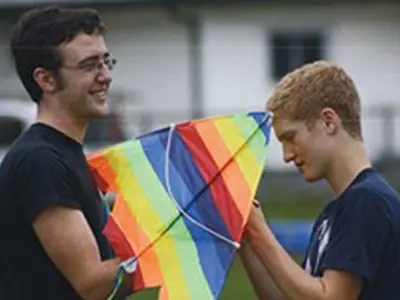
8, 77
154, 65
364, 40
154, 62
369, 49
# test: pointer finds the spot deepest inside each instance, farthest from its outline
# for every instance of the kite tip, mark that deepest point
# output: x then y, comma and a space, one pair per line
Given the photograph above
236, 244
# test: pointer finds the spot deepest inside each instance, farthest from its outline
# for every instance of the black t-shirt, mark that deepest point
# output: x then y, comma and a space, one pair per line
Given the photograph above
44, 167
359, 232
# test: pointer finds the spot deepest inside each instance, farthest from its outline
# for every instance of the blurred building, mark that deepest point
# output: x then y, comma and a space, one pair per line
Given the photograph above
184, 59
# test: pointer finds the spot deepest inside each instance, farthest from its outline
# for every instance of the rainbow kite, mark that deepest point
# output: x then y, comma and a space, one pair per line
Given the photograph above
183, 196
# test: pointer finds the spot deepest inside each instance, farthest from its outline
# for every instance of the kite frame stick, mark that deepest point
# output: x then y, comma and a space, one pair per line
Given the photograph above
268, 118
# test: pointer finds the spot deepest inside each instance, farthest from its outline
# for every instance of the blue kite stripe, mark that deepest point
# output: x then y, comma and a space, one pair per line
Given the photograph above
202, 209
204, 206
260, 118
211, 259
229, 213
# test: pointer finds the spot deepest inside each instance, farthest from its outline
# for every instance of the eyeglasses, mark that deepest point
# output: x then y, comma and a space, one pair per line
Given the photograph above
94, 65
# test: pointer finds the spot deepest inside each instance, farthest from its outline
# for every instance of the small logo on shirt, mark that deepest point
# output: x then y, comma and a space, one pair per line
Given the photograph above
323, 236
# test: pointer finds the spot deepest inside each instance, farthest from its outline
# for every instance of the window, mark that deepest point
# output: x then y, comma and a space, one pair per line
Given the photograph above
290, 50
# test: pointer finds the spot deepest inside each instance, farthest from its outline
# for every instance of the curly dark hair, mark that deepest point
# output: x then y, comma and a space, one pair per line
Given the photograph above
37, 34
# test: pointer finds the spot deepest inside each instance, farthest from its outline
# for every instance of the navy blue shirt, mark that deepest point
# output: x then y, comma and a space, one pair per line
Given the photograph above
359, 232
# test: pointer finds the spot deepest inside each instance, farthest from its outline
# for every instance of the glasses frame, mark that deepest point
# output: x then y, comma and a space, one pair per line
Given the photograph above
94, 66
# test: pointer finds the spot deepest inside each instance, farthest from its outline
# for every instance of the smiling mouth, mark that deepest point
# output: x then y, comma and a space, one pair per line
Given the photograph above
101, 94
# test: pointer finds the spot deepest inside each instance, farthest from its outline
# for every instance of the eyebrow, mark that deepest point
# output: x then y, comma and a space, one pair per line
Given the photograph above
93, 57
286, 135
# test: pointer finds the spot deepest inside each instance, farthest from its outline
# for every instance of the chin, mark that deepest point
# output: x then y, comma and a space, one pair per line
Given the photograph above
100, 111
98, 107
310, 177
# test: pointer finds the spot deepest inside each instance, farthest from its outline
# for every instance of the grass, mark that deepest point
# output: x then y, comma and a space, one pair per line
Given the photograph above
295, 206
237, 286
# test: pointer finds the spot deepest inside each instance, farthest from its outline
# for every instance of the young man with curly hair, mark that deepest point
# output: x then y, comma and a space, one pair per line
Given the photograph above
354, 251
51, 214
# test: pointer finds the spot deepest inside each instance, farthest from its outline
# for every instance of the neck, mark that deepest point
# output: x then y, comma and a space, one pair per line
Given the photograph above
346, 165
58, 118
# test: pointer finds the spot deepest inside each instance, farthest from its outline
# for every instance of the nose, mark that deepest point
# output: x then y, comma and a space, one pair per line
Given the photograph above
105, 75
288, 154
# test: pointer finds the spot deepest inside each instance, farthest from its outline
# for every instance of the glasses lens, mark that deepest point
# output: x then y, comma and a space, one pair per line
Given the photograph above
111, 62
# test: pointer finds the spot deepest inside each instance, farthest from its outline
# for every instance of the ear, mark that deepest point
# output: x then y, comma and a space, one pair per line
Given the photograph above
45, 79
330, 120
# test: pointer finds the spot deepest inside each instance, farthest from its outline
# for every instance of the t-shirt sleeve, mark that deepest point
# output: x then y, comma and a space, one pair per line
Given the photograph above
358, 235
45, 180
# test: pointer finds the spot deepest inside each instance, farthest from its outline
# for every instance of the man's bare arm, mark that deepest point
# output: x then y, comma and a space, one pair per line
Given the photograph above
294, 282
70, 244
261, 281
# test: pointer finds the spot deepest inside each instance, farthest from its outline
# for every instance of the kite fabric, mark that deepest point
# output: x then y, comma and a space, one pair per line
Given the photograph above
183, 196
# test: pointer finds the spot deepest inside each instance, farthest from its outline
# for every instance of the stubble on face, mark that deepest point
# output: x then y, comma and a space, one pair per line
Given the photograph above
84, 92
